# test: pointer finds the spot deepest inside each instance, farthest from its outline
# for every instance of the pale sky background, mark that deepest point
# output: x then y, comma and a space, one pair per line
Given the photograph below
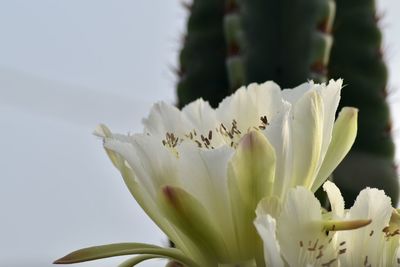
65, 66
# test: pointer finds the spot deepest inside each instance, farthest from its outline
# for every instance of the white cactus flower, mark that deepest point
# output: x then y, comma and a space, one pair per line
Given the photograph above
199, 173
302, 235
376, 244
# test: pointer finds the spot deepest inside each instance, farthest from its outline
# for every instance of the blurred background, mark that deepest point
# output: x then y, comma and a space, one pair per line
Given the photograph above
66, 66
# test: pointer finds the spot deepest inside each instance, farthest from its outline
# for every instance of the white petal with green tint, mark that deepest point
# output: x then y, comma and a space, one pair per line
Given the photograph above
140, 192
253, 167
335, 199
154, 165
203, 119
293, 95
269, 205
279, 134
364, 245
307, 127
330, 95
165, 118
365, 235
248, 105
190, 216
300, 231
343, 136
251, 174
203, 174
266, 227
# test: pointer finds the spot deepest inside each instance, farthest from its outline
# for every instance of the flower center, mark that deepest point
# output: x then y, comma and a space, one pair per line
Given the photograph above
319, 254
222, 134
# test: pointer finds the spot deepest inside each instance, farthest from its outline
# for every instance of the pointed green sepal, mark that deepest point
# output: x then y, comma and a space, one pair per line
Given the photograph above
121, 249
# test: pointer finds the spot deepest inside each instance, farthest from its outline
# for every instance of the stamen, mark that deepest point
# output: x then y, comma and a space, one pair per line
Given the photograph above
223, 127
329, 263
366, 261
264, 120
344, 225
315, 245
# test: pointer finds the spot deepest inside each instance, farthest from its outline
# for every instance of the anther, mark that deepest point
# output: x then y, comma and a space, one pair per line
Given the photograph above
198, 143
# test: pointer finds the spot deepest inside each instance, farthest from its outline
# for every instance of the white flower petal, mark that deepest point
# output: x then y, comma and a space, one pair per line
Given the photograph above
269, 205
152, 209
242, 217
307, 127
142, 195
203, 173
267, 98
300, 231
153, 164
320, 129
194, 220
330, 96
365, 245
279, 134
247, 106
344, 134
266, 227
200, 114
293, 95
394, 259
203, 119
335, 199
165, 118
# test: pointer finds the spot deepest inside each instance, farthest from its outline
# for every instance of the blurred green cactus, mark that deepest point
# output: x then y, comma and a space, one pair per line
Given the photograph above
202, 68
234, 42
357, 58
